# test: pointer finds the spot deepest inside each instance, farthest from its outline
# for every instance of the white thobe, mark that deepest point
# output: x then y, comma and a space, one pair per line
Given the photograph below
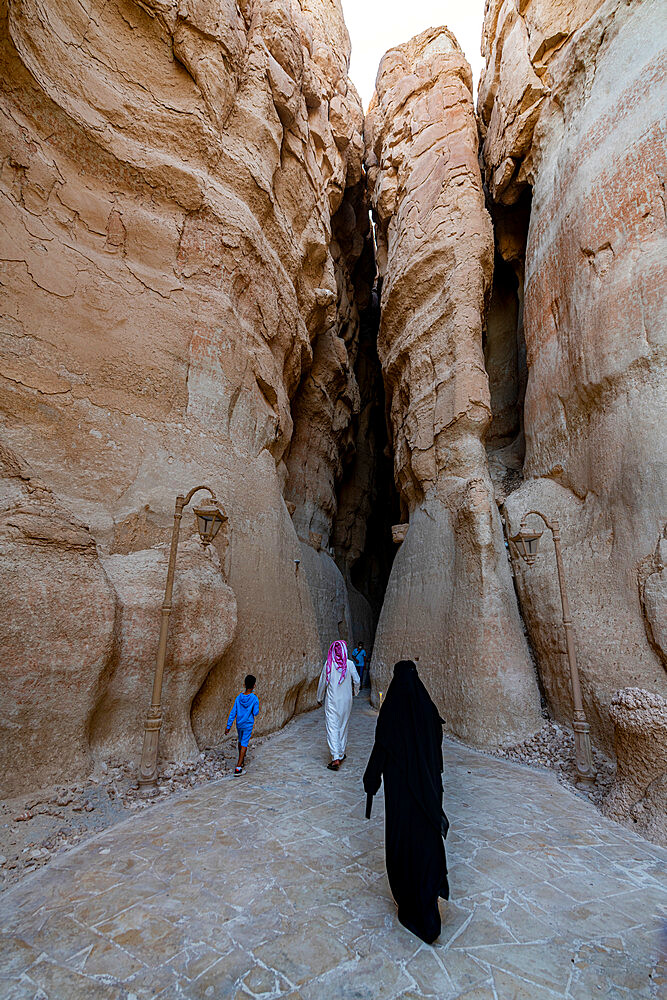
337, 706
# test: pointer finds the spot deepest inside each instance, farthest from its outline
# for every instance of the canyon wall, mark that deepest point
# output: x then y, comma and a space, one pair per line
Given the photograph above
450, 602
590, 141
172, 291
186, 283
571, 106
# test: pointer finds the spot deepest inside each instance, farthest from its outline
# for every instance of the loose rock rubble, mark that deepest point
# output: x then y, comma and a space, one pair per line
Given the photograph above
553, 747
35, 829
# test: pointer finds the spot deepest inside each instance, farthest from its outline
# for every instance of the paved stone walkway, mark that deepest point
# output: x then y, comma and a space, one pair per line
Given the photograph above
273, 885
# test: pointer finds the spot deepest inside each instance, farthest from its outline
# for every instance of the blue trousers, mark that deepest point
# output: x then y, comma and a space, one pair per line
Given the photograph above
244, 734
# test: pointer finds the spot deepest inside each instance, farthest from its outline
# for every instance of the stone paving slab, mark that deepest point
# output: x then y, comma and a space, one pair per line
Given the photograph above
273, 885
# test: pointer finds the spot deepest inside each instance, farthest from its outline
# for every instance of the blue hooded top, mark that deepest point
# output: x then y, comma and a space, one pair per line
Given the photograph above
244, 710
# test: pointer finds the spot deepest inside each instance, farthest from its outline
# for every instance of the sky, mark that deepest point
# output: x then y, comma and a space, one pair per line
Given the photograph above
378, 25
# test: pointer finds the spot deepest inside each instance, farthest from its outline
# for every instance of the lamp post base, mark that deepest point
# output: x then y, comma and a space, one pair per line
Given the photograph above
586, 781
586, 774
148, 770
148, 788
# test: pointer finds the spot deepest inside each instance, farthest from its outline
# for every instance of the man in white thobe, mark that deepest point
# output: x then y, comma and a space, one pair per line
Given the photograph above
335, 688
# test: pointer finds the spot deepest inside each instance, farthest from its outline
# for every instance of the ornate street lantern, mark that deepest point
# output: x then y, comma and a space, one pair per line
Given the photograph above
527, 543
209, 521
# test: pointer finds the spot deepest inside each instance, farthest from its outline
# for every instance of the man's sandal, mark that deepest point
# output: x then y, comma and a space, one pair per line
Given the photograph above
333, 765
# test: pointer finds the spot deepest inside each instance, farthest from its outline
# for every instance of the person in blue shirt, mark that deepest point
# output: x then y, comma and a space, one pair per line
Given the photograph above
359, 655
244, 710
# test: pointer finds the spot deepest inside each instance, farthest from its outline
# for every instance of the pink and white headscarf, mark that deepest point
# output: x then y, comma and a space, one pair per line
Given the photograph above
337, 655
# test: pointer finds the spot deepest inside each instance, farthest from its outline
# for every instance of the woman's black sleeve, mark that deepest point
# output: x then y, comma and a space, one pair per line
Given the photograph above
373, 776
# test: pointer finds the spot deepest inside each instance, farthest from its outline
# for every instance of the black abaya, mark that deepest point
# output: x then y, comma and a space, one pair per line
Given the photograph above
407, 754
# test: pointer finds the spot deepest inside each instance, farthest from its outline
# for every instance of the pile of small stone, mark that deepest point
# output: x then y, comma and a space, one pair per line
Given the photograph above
553, 747
35, 830
179, 776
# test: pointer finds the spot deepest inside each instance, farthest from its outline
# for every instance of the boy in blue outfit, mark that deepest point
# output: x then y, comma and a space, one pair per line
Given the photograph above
244, 710
359, 655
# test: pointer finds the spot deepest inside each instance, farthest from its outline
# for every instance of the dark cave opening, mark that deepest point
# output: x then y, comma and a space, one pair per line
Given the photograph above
505, 347
368, 503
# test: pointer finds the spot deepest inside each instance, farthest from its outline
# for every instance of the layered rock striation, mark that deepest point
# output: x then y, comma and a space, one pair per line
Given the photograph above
57, 632
450, 602
171, 281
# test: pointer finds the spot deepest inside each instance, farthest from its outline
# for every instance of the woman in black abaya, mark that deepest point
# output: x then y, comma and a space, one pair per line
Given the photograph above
408, 755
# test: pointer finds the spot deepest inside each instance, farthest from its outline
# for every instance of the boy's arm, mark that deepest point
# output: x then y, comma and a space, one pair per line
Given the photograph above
255, 707
232, 716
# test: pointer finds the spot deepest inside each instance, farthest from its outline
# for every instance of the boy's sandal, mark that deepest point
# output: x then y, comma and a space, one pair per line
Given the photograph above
333, 765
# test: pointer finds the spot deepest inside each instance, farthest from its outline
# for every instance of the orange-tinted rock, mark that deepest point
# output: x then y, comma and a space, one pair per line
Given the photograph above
450, 602
56, 633
170, 176
594, 318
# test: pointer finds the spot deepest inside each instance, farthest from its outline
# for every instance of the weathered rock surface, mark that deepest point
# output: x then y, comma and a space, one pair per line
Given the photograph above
331, 433
450, 602
639, 792
169, 177
185, 283
522, 45
569, 97
653, 593
56, 632
329, 594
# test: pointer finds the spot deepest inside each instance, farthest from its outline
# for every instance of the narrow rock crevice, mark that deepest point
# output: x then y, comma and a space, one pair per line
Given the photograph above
449, 601
368, 503
505, 347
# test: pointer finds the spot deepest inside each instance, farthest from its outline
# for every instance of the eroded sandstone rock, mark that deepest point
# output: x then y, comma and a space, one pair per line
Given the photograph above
449, 602
366, 497
201, 627
326, 413
170, 172
56, 632
639, 792
568, 96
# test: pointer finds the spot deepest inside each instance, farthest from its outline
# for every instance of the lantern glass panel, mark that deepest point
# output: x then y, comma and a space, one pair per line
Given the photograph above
531, 544
217, 524
208, 520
